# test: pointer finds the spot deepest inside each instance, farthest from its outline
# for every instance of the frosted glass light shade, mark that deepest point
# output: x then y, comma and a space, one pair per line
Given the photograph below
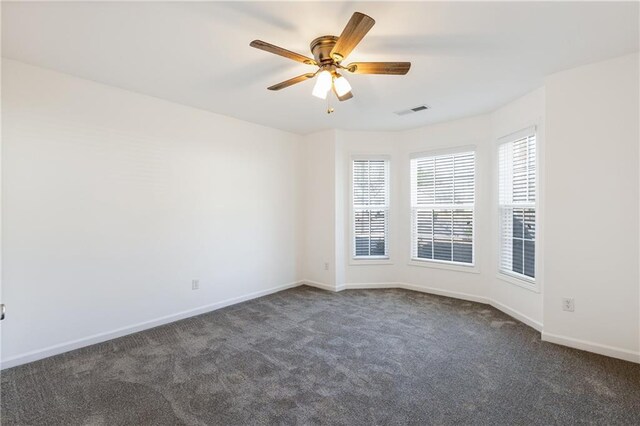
342, 86
323, 85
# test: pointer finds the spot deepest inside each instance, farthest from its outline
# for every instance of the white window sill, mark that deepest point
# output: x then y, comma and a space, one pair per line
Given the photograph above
372, 260
520, 282
471, 269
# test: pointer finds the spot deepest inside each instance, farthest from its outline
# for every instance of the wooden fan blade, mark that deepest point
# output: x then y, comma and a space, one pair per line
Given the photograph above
344, 97
393, 68
268, 47
292, 81
357, 27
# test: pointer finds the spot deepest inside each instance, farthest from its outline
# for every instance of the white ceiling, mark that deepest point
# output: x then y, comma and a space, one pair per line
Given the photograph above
468, 58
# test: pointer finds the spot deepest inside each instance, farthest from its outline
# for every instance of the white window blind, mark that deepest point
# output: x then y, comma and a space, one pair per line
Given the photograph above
517, 198
370, 208
442, 204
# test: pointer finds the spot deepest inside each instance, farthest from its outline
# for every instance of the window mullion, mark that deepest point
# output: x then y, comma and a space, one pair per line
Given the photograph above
433, 226
369, 203
451, 233
369, 245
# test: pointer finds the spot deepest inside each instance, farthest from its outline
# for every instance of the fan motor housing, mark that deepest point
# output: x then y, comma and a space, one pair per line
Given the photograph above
321, 49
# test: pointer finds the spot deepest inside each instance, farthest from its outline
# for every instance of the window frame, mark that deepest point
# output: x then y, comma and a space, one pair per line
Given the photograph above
521, 280
437, 263
375, 259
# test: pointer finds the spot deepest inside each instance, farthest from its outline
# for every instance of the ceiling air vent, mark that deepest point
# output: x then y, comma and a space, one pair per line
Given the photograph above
412, 110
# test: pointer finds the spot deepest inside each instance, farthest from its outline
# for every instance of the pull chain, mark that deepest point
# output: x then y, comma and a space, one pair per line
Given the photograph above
329, 109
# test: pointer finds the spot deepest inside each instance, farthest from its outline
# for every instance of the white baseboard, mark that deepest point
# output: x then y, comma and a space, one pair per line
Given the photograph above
446, 293
356, 286
474, 298
536, 325
431, 290
454, 294
406, 286
421, 289
123, 331
319, 285
597, 348
102, 337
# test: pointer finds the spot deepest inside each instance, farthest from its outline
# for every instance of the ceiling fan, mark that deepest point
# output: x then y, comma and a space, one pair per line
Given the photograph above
328, 53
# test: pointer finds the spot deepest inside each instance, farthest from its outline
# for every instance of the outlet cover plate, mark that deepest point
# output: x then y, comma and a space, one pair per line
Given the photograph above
568, 304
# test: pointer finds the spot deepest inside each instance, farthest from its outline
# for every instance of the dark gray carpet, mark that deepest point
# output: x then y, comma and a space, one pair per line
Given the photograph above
307, 356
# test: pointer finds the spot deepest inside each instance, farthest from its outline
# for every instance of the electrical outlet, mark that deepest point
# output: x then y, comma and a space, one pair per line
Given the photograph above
568, 304
326, 266
195, 284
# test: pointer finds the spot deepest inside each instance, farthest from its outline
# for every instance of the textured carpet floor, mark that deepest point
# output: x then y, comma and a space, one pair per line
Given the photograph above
306, 356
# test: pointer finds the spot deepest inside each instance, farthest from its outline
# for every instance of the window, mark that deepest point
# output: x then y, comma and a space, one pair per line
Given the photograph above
442, 207
517, 198
370, 208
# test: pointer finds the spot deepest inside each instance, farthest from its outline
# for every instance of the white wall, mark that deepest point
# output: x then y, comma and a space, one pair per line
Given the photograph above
587, 134
384, 145
474, 133
318, 179
397, 147
329, 156
113, 202
591, 246
524, 112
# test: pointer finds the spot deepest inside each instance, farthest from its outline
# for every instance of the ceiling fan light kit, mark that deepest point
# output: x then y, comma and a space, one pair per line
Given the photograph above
328, 53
